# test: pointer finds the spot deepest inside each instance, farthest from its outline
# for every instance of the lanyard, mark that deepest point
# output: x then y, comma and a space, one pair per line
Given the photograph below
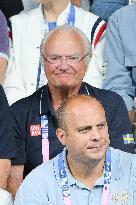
45, 141
44, 132
70, 21
71, 18
64, 180
107, 179
65, 185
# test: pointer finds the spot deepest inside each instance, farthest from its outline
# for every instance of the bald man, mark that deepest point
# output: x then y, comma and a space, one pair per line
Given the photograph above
87, 167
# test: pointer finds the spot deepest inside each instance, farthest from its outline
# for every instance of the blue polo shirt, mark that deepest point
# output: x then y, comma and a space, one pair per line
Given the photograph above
42, 185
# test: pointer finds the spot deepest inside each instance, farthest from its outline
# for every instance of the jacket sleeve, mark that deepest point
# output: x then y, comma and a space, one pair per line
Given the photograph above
119, 126
118, 76
19, 116
7, 142
96, 68
13, 83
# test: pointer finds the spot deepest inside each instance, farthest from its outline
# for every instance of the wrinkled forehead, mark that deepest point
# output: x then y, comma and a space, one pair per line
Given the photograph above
63, 40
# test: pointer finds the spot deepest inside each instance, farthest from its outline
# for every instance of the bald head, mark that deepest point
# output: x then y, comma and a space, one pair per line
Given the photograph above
83, 129
78, 106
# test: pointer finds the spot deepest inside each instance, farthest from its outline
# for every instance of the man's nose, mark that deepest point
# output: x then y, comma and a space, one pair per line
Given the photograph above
95, 134
64, 60
64, 64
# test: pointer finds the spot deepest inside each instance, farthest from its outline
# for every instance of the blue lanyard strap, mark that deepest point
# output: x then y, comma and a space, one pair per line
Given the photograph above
64, 180
71, 18
107, 173
38, 76
107, 179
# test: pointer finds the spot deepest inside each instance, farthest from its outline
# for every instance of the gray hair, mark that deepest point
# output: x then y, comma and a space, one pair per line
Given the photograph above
69, 28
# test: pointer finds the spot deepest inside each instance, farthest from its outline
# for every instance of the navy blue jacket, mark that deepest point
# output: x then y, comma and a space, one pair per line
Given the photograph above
7, 141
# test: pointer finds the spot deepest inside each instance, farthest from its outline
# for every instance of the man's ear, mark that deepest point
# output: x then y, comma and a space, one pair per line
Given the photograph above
61, 135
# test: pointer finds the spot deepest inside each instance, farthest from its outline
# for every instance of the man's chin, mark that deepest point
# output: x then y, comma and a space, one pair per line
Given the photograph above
64, 85
95, 154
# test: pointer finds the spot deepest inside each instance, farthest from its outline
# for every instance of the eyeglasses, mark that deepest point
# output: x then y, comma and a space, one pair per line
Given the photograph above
72, 59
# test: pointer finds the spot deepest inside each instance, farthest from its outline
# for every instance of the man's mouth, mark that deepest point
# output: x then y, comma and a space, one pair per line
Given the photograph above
94, 147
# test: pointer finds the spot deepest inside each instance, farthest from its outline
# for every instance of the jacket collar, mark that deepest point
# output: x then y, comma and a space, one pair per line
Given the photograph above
62, 18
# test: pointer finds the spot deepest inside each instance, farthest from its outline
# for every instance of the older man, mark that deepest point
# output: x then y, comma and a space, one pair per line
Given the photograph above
87, 170
35, 124
25, 73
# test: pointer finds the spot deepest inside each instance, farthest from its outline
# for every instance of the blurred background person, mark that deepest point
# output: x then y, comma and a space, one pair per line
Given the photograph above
14, 7
121, 55
104, 8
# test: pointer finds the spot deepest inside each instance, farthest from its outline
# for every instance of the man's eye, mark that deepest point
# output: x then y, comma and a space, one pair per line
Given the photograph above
54, 58
73, 58
101, 126
85, 130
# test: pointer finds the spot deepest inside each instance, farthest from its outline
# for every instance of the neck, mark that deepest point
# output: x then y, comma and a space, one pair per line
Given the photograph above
53, 8
59, 94
86, 173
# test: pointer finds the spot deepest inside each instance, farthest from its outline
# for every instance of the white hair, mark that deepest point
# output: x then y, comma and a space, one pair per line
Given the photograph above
72, 29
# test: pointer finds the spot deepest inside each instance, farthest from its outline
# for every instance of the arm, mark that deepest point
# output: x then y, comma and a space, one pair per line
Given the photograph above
97, 60
15, 178
20, 113
5, 197
4, 172
7, 142
3, 65
119, 125
13, 82
118, 77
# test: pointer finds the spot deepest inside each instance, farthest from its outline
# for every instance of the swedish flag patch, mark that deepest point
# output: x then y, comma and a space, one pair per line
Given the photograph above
128, 139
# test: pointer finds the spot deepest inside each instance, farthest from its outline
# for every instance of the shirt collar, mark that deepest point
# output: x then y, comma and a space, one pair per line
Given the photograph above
72, 181
62, 18
100, 182
115, 171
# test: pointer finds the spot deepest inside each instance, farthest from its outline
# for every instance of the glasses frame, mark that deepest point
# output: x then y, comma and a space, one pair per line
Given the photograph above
66, 58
